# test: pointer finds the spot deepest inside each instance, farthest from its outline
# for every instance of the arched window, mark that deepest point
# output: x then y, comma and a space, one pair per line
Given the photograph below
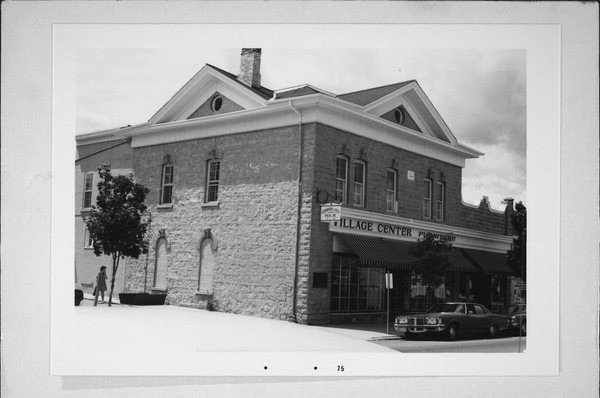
207, 265
160, 268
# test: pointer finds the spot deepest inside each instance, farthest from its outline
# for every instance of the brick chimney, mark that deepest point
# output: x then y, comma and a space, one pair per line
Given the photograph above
510, 203
250, 67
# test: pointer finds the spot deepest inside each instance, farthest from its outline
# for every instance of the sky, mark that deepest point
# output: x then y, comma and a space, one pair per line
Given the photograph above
480, 94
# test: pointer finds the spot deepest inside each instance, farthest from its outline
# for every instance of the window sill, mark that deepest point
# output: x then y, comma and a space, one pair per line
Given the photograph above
203, 293
165, 206
88, 248
156, 290
209, 205
86, 210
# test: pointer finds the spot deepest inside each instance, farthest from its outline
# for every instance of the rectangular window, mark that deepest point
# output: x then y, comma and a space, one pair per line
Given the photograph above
427, 199
87, 190
359, 184
391, 191
355, 288
440, 199
212, 181
87, 239
341, 178
166, 192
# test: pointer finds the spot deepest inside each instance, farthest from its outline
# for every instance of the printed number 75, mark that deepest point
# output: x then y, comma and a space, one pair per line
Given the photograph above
340, 368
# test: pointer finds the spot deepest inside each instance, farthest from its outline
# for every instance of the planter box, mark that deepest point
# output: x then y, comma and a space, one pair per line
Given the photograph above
142, 298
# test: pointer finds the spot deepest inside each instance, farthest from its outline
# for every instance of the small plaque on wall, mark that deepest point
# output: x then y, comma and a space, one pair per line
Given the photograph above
410, 175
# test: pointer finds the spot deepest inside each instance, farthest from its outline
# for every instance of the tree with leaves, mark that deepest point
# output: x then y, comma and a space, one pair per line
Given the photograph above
517, 256
431, 263
118, 222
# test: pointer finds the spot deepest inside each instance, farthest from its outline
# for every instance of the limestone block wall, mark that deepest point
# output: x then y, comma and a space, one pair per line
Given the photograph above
254, 225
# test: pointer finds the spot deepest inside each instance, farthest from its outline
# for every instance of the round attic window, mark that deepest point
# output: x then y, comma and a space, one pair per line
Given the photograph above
216, 103
399, 115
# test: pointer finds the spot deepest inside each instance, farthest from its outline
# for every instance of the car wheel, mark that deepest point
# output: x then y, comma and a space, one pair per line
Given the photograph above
524, 328
452, 332
493, 331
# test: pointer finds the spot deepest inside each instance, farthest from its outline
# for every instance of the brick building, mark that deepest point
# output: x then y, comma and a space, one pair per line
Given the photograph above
239, 173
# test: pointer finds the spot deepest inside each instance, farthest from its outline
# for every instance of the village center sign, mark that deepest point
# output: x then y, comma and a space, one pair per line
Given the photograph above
359, 222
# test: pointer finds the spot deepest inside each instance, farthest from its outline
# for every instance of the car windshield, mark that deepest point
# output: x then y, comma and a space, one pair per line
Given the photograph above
447, 308
515, 309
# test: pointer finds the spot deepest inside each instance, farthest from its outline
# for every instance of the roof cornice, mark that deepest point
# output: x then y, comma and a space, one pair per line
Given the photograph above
317, 108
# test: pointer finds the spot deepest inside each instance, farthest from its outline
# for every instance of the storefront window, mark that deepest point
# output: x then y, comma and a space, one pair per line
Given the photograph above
498, 292
355, 288
422, 297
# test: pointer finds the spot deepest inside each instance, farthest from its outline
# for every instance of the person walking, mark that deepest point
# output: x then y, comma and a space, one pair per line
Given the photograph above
100, 285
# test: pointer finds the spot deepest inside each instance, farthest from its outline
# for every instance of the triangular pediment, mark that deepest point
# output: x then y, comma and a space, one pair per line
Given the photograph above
194, 99
410, 108
217, 104
402, 116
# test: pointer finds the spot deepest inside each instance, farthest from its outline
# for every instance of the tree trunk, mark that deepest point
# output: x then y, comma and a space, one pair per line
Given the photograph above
112, 279
97, 292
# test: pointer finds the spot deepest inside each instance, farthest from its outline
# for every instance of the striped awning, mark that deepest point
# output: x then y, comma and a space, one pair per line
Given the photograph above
379, 252
491, 263
395, 255
459, 262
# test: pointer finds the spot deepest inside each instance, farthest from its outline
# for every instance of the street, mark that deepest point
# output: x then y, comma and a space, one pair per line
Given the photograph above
462, 345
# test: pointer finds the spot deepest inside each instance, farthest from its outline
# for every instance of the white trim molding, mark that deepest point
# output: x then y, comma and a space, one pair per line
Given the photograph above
315, 108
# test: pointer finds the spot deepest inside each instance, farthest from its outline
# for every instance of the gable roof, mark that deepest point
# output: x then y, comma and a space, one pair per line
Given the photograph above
262, 91
364, 97
209, 79
298, 92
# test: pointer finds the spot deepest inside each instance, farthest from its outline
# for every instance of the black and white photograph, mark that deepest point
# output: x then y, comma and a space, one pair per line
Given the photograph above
328, 199
264, 199
340, 206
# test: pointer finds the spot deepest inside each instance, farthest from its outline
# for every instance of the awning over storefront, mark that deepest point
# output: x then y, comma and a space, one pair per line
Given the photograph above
460, 262
492, 263
395, 255
379, 252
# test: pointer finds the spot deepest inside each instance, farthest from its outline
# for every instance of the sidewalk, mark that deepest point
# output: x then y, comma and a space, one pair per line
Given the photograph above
88, 299
363, 331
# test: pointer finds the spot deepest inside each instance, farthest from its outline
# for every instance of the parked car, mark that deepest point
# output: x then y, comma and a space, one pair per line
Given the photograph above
517, 318
450, 319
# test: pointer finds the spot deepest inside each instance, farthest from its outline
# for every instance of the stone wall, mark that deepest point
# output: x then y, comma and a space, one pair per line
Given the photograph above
254, 225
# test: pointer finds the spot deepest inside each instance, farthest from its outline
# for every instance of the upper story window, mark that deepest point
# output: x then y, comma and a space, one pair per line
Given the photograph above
87, 190
391, 189
440, 200
341, 178
399, 115
427, 198
216, 103
358, 197
88, 242
212, 180
166, 191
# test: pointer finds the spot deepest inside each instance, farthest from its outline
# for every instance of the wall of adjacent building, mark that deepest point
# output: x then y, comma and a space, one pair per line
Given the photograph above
90, 157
